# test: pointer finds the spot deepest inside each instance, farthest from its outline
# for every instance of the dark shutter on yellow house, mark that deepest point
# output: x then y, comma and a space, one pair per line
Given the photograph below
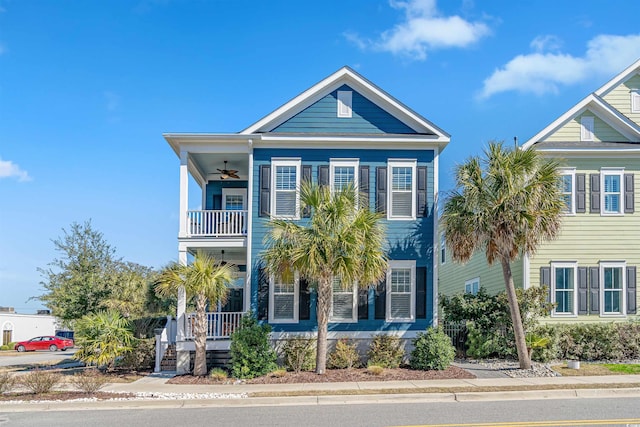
381, 189
545, 280
583, 291
631, 290
595, 193
594, 290
629, 199
581, 193
265, 190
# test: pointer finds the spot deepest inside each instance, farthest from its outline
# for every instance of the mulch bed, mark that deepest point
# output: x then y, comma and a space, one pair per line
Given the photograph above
62, 395
336, 375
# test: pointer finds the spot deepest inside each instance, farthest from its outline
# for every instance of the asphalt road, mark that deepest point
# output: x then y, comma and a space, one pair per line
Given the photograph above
31, 357
565, 412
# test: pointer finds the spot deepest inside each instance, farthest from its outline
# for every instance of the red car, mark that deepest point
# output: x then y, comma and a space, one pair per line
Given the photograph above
50, 343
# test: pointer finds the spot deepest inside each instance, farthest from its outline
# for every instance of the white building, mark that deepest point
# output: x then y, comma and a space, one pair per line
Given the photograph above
21, 327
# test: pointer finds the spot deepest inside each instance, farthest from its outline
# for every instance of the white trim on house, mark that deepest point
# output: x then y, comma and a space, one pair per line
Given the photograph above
622, 77
345, 103
234, 192
436, 227
619, 172
401, 265
635, 100
571, 265
401, 163
295, 295
571, 172
623, 292
354, 305
472, 286
275, 164
587, 128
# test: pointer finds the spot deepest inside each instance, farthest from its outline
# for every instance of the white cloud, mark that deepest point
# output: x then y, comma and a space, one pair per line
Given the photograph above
424, 29
540, 73
8, 169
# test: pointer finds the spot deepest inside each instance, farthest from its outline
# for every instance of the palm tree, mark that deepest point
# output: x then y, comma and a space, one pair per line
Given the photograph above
340, 241
506, 205
205, 280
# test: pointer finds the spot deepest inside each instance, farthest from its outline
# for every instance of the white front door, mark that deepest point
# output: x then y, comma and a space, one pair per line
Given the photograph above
234, 199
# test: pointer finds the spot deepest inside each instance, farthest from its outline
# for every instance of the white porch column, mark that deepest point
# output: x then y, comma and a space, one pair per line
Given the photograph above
184, 193
250, 207
182, 357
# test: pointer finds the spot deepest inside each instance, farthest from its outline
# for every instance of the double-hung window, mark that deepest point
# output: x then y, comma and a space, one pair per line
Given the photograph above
443, 249
472, 286
564, 288
401, 291
343, 173
402, 189
283, 300
285, 197
612, 278
612, 197
567, 188
344, 306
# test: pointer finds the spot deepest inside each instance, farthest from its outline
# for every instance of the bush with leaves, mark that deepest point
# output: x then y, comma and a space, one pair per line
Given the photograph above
7, 381
386, 351
344, 356
39, 381
251, 352
89, 381
218, 374
103, 337
142, 356
299, 354
432, 350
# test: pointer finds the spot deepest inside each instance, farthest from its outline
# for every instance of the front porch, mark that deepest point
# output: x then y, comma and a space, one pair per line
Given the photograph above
220, 325
217, 223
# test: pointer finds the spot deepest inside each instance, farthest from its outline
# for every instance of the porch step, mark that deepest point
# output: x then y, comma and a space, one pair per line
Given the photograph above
169, 360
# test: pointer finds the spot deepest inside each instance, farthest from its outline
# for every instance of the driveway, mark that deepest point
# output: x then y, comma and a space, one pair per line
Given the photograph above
13, 358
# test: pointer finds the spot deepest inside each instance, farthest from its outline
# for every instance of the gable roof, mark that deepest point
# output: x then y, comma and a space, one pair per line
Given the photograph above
347, 76
599, 107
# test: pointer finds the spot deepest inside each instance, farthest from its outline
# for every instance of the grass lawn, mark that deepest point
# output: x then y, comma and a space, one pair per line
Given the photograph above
589, 369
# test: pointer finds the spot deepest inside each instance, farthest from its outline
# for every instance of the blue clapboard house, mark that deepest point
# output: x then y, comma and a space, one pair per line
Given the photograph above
343, 129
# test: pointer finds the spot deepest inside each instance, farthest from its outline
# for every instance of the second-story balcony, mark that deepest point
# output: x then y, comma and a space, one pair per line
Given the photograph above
217, 223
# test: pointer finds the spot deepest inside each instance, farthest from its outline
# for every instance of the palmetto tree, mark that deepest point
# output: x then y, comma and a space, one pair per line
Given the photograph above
339, 241
205, 280
506, 205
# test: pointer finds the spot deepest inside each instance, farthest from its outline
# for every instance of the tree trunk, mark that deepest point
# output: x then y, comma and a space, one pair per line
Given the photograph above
324, 307
200, 365
514, 308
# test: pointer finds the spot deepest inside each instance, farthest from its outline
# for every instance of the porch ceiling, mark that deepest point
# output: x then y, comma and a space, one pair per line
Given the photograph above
209, 163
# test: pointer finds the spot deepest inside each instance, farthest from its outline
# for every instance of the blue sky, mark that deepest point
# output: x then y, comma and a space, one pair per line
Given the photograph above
88, 87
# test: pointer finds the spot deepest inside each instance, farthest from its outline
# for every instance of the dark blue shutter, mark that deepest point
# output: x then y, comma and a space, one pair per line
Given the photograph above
421, 193
381, 189
265, 190
304, 299
421, 292
581, 193
323, 175
306, 177
629, 199
381, 300
363, 303
583, 291
594, 290
595, 193
363, 183
545, 280
631, 290
263, 294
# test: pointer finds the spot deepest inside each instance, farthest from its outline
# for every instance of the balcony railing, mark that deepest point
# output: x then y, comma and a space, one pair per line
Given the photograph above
220, 325
216, 223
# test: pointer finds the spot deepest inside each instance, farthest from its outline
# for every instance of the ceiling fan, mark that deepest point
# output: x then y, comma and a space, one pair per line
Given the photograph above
228, 173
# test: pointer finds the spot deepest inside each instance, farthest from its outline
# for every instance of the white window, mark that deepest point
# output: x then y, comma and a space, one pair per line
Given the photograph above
234, 199
345, 98
401, 291
567, 188
635, 100
285, 180
443, 248
586, 128
612, 288
283, 300
343, 173
612, 199
402, 189
344, 306
563, 288
472, 286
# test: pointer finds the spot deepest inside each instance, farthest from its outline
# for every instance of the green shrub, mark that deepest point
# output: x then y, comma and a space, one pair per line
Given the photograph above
218, 374
39, 382
89, 381
344, 356
432, 350
251, 352
299, 354
386, 351
375, 370
5, 348
7, 381
103, 338
142, 356
486, 343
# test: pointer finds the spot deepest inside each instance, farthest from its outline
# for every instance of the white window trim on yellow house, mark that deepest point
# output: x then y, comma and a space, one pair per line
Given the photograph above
574, 290
623, 290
